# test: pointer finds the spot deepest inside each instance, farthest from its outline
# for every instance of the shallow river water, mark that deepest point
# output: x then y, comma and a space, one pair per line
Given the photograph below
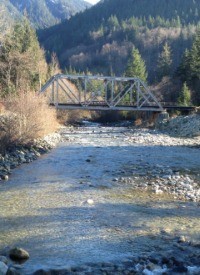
67, 209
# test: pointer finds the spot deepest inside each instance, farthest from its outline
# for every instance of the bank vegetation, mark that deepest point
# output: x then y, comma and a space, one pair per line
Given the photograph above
24, 114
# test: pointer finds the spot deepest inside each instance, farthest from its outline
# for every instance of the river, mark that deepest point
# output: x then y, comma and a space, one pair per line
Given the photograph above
68, 207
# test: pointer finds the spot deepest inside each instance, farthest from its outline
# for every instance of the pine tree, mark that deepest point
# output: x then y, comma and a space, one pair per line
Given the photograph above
184, 98
195, 57
164, 61
22, 61
194, 72
184, 67
54, 66
136, 66
189, 69
113, 23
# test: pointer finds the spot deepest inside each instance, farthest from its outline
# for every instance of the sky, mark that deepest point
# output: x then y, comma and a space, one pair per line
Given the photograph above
92, 1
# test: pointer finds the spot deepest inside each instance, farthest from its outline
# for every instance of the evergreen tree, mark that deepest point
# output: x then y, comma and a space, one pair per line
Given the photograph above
22, 61
189, 69
136, 66
195, 57
54, 66
113, 23
184, 66
194, 72
164, 61
184, 98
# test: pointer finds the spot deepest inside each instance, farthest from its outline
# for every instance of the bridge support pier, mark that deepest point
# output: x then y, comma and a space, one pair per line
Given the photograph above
162, 116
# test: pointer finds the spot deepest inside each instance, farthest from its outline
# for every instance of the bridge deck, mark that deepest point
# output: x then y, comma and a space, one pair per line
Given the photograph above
120, 107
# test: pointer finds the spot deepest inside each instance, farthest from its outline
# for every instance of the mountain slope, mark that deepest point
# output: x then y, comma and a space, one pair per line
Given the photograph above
101, 37
8, 13
46, 13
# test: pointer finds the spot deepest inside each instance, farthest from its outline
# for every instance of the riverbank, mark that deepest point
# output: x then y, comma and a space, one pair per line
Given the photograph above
182, 126
18, 155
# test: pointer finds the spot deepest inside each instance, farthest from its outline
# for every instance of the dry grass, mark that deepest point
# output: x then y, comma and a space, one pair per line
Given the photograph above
2, 107
26, 118
138, 122
72, 116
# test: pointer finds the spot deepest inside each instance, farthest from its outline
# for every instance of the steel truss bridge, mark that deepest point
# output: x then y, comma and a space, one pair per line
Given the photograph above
100, 93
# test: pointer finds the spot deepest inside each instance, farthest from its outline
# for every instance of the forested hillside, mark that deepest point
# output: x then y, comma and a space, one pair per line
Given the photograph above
102, 37
42, 13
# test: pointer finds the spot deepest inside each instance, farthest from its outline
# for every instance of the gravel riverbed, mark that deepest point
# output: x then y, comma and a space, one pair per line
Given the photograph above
107, 200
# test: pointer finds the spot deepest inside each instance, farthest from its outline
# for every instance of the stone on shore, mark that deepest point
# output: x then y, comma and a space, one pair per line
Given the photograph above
25, 154
13, 271
3, 268
4, 259
18, 254
182, 126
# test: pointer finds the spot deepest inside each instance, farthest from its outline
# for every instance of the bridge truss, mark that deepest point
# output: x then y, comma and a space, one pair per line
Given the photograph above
100, 93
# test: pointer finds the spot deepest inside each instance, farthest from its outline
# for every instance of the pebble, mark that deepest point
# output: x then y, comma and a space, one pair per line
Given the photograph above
90, 201
88, 160
181, 239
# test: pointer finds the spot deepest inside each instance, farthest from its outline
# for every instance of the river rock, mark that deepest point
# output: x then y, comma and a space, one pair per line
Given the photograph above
3, 259
181, 239
3, 268
25, 154
193, 270
88, 160
12, 271
5, 177
45, 272
18, 254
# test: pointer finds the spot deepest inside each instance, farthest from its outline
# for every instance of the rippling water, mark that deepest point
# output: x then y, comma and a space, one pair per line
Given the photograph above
44, 205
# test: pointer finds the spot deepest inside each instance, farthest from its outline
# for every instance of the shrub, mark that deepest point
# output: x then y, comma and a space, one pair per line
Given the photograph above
27, 117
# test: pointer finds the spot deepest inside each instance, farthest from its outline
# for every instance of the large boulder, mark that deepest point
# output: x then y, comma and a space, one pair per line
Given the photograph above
18, 254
